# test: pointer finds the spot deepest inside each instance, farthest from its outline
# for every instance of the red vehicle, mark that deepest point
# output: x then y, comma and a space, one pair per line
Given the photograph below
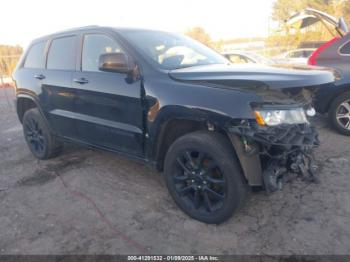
334, 101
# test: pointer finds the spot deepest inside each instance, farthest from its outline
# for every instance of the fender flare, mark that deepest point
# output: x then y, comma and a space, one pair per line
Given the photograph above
157, 126
37, 104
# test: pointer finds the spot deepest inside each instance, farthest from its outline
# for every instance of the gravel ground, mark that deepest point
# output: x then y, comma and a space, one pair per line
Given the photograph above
92, 202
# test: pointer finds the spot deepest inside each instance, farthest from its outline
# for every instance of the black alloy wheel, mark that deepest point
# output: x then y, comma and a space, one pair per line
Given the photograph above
41, 142
34, 135
339, 113
203, 176
199, 181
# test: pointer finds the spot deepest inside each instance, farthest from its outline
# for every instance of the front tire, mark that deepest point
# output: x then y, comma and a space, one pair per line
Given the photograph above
203, 177
339, 113
41, 142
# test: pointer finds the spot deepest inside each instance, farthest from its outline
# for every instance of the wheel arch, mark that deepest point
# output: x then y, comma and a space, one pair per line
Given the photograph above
177, 121
178, 124
25, 102
339, 92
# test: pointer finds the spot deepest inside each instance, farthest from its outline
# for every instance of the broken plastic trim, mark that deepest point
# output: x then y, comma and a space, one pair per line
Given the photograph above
281, 148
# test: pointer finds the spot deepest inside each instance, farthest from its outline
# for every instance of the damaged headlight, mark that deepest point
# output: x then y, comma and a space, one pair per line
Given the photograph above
274, 117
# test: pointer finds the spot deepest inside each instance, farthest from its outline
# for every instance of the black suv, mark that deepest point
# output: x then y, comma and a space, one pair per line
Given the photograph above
215, 129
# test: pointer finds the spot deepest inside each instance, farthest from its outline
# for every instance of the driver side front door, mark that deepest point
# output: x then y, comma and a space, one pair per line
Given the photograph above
108, 106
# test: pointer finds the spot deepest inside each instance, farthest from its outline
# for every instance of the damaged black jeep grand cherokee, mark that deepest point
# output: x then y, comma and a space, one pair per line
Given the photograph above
215, 129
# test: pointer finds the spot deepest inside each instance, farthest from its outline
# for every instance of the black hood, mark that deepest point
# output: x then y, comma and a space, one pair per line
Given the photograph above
273, 83
271, 76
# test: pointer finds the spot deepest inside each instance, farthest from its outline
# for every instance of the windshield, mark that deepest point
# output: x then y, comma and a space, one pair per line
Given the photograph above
172, 51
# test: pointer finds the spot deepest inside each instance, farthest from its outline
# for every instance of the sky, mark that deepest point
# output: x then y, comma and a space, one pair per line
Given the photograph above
21, 20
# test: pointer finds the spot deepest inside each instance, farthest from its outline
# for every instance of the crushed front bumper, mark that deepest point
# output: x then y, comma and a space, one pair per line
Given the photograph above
268, 153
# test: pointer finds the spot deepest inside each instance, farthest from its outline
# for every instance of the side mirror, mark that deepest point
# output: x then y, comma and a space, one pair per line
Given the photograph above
114, 62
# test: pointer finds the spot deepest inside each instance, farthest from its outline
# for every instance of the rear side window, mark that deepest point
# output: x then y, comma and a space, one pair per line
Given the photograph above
345, 50
62, 53
94, 46
36, 56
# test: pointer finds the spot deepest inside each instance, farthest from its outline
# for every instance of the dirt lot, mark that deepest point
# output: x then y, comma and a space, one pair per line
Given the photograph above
92, 202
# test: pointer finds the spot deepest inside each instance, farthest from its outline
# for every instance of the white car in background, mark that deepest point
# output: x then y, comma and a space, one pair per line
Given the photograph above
296, 56
241, 57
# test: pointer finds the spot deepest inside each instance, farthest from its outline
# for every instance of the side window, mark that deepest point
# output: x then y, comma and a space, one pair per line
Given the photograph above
296, 54
238, 59
62, 53
36, 56
308, 53
94, 46
345, 50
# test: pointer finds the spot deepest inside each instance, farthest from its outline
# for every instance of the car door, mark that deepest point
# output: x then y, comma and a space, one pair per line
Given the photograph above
57, 93
30, 73
108, 105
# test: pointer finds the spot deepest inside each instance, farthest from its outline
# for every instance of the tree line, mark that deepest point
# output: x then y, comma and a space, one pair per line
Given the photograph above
9, 56
281, 11
287, 39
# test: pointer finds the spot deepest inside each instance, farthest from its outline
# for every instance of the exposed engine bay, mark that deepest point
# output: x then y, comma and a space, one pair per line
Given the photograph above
278, 150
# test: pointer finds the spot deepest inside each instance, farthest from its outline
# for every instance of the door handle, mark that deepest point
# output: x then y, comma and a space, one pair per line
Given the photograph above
81, 81
39, 76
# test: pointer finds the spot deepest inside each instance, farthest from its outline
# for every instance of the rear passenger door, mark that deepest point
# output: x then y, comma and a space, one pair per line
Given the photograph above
57, 93
108, 104
29, 75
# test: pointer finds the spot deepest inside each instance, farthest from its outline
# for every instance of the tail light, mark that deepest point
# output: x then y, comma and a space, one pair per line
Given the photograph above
313, 58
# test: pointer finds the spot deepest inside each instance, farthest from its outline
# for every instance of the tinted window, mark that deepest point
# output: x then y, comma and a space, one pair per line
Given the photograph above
35, 56
345, 49
94, 46
62, 53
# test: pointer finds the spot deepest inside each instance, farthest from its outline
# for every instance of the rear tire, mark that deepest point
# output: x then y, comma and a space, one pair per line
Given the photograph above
339, 113
204, 177
41, 142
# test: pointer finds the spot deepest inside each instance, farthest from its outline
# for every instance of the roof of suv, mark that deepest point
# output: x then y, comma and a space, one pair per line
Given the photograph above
90, 27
